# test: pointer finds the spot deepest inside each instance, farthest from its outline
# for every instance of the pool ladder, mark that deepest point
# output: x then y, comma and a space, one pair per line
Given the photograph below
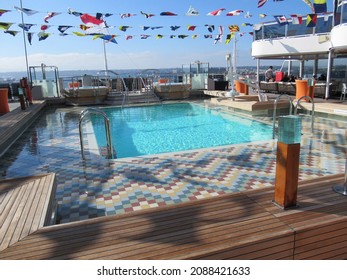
291, 109
88, 111
275, 109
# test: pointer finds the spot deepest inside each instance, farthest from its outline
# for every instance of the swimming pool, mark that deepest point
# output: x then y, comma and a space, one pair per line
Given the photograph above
155, 129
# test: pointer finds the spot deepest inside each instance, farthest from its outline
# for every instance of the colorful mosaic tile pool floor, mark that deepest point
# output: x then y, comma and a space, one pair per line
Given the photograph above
98, 187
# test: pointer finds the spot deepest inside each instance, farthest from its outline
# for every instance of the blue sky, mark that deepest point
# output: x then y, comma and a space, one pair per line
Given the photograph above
82, 53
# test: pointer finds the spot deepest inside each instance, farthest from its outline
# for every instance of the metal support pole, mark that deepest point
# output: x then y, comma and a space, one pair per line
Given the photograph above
342, 189
327, 89
25, 45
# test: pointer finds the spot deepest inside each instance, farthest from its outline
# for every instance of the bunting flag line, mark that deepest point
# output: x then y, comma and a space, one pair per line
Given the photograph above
311, 20
261, 3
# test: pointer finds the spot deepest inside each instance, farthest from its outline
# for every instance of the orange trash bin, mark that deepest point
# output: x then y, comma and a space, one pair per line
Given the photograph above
4, 108
301, 88
238, 86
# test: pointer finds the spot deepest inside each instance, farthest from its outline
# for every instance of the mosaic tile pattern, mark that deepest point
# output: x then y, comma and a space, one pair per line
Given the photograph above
98, 187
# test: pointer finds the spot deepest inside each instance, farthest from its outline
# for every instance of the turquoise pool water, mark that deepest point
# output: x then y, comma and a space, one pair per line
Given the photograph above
156, 129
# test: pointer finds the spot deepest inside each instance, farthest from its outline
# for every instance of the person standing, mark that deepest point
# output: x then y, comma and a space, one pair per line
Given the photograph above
269, 74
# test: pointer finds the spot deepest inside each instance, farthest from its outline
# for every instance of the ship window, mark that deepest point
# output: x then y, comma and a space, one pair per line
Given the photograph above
324, 24
344, 13
274, 31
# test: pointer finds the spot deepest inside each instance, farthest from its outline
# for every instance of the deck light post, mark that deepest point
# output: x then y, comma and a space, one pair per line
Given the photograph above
287, 161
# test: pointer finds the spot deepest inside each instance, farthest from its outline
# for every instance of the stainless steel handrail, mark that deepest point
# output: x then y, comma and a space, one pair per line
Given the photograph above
298, 104
110, 154
275, 109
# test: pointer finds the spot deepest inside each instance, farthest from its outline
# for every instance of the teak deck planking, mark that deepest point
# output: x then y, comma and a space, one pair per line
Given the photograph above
235, 226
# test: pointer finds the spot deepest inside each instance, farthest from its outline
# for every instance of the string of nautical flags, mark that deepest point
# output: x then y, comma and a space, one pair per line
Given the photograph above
97, 27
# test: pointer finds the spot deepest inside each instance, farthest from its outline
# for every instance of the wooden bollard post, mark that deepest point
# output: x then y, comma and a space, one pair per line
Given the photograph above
287, 161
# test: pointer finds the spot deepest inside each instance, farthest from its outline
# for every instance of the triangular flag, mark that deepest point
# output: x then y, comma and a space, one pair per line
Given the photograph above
229, 37
234, 28
147, 15
127, 15
28, 12
26, 26
168, 14
174, 28
311, 20
191, 27
73, 12
234, 13
63, 28
11, 32
3, 11
5, 25
43, 35
216, 12
210, 28
124, 28
192, 12
281, 19
30, 37
261, 3
50, 15
296, 19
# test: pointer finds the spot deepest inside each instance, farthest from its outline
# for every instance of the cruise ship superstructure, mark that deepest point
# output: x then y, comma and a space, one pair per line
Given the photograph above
288, 40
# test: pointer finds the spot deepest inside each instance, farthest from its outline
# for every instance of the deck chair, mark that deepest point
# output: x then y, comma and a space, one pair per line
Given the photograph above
343, 93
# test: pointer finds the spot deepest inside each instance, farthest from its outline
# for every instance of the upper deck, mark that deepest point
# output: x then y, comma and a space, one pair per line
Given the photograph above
299, 41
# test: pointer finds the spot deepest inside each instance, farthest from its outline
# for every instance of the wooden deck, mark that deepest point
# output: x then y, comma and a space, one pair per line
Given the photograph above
14, 123
235, 226
26, 205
